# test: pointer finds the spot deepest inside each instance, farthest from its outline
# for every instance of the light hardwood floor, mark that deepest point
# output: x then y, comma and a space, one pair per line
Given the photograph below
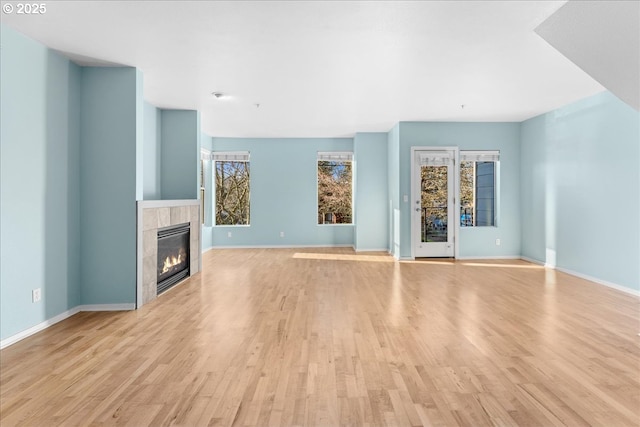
328, 337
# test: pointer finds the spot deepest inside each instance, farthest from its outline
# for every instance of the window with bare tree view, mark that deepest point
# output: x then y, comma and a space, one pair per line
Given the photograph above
335, 191
232, 192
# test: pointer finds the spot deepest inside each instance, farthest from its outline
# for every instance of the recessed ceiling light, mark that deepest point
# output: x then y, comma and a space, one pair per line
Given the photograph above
218, 95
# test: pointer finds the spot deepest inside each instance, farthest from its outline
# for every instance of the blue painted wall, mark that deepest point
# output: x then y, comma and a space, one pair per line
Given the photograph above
371, 192
152, 153
171, 154
79, 141
180, 161
108, 133
283, 194
473, 241
140, 145
533, 189
580, 189
75, 154
39, 183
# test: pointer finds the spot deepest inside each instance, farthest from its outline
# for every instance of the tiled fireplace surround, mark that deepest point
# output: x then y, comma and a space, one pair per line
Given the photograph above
155, 214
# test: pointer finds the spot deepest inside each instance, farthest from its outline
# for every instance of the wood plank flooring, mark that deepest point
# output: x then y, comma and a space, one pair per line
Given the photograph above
327, 337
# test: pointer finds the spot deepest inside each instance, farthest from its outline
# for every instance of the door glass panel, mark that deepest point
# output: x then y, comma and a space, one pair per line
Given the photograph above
434, 202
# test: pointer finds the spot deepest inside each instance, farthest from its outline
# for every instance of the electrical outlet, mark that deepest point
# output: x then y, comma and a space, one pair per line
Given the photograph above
228, 234
497, 242
282, 234
36, 295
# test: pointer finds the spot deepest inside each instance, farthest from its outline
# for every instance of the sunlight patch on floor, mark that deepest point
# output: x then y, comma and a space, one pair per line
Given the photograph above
343, 257
482, 264
389, 259
428, 262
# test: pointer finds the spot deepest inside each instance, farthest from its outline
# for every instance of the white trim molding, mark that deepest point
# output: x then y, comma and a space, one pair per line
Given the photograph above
534, 261
37, 328
347, 245
62, 316
467, 258
425, 154
108, 307
611, 285
599, 281
205, 154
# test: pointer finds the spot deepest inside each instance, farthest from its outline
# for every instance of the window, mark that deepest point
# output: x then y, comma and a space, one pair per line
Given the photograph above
335, 188
232, 188
478, 182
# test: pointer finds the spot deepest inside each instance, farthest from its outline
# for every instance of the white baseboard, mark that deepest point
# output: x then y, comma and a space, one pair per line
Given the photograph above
600, 281
534, 261
62, 316
348, 245
131, 306
204, 251
466, 258
469, 258
585, 277
37, 328
108, 307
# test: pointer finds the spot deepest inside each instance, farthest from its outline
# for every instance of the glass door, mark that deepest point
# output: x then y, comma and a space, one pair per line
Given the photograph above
433, 204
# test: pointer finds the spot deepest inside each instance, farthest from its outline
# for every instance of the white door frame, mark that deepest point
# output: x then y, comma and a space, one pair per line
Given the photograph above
415, 232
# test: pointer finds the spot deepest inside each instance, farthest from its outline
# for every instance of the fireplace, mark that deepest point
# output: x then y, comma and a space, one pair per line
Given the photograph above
173, 255
163, 215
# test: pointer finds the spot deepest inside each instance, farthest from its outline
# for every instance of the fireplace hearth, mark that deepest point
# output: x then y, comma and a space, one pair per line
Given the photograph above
168, 217
173, 255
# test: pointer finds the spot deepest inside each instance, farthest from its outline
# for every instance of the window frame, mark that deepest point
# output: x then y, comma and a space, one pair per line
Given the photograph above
228, 156
475, 157
336, 156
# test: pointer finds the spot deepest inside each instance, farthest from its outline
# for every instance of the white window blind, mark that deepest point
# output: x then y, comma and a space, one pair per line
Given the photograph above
234, 156
436, 158
335, 156
205, 154
479, 156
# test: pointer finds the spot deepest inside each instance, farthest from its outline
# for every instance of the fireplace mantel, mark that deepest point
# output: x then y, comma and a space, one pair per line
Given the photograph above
155, 214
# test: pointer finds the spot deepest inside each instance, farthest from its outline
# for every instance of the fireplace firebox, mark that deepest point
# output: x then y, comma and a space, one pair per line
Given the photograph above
173, 255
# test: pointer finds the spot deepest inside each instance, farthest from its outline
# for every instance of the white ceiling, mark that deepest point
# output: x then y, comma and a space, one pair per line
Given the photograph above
323, 69
603, 39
